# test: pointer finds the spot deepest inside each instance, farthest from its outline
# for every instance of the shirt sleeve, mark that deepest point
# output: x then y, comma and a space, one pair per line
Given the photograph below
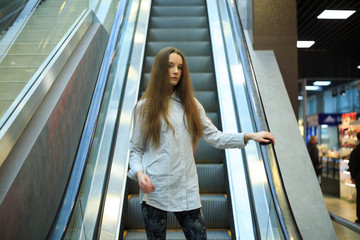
217, 138
137, 146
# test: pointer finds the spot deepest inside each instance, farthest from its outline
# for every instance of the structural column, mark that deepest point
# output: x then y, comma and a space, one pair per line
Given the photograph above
272, 25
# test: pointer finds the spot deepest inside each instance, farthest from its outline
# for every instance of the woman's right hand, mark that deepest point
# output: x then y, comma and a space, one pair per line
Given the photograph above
263, 136
144, 182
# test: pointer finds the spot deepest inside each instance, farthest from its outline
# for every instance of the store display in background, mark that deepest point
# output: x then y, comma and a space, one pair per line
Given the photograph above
347, 188
347, 140
324, 126
336, 135
347, 136
347, 118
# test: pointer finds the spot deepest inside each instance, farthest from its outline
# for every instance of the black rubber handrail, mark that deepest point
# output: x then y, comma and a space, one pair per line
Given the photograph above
68, 203
279, 196
344, 222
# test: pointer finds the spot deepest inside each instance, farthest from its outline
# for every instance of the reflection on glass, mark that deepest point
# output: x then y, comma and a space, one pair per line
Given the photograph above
29, 40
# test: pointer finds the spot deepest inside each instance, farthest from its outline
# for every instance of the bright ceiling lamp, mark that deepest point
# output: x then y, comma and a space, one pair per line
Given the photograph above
336, 14
358, 67
304, 44
321, 83
312, 88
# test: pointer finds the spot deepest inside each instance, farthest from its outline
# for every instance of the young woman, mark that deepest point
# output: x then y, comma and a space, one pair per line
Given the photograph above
168, 123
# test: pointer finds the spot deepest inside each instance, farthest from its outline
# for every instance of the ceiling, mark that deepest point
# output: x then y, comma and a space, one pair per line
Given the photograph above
336, 52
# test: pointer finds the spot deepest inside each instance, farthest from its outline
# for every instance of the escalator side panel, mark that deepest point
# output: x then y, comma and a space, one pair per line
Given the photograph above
34, 175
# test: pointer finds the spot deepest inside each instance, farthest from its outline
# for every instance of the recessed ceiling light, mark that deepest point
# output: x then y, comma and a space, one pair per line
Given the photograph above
312, 88
321, 83
358, 67
336, 14
304, 44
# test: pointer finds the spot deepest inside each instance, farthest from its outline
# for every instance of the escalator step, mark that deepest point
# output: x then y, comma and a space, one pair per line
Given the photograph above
207, 154
31, 48
22, 60
191, 34
175, 11
176, 234
179, 3
200, 48
200, 64
10, 90
17, 74
214, 208
214, 118
178, 22
202, 82
207, 99
211, 178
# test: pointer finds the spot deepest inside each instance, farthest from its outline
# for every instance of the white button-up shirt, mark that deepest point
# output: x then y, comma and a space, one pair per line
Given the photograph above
171, 167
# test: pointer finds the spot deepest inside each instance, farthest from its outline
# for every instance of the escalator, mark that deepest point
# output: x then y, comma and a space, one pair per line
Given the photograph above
184, 25
235, 203
32, 42
239, 198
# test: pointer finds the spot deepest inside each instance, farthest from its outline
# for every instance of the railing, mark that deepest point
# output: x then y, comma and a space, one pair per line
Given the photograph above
283, 208
21, 105
70, 197
346, 223
129, 74
279, 197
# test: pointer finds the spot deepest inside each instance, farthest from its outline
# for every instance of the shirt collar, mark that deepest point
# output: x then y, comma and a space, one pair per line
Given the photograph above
175, 97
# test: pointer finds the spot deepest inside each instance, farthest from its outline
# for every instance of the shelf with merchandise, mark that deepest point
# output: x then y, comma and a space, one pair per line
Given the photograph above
330, 167
347, 187
335, 177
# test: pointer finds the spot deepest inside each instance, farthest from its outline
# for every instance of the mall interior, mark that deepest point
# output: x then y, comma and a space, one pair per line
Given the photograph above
71, 72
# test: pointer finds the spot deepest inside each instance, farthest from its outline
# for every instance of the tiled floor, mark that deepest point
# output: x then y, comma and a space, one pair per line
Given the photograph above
345, 210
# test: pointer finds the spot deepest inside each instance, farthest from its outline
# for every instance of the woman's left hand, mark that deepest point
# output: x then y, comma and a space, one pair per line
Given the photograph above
263, 136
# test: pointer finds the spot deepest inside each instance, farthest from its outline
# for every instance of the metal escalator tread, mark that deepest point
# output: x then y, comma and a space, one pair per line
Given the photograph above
170, 34
196, 64
36, 40
178, 22
204, 81
183, 11
179, 3
214, 210
190, 33
198, 48
177, 234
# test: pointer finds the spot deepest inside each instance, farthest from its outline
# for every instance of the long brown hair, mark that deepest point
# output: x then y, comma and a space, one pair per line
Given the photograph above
156, 99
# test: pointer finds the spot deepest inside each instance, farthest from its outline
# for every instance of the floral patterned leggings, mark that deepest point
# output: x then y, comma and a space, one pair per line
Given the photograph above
192, 223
